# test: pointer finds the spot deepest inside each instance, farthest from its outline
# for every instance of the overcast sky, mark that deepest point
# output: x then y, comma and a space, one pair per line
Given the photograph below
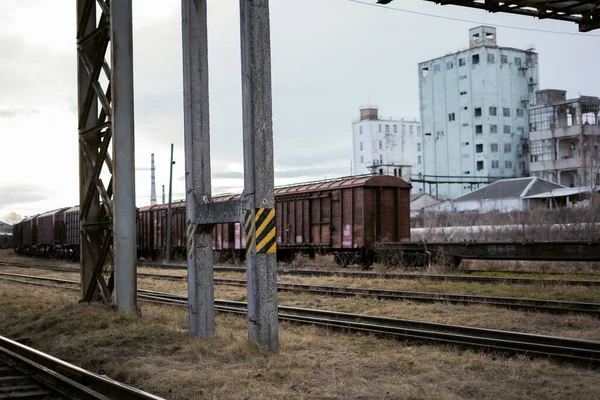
329, 57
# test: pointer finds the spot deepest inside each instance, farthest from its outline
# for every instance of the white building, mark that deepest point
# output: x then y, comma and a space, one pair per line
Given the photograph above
564, 139
473, 114
386, 146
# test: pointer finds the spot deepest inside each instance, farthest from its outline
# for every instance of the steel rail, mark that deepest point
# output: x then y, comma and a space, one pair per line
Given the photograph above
579, 350
357, 274
523, 304
64, 378
386, 275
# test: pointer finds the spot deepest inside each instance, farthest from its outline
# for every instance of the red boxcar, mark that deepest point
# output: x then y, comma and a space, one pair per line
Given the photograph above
343, 216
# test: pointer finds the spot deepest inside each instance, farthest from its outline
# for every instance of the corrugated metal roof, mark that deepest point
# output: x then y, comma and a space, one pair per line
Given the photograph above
510, 188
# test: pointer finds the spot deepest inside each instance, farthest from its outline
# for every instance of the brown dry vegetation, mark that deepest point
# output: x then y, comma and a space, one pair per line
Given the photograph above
157, 354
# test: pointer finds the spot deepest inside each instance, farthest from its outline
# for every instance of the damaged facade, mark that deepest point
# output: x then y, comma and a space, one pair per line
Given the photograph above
386, 146
473, 114
564, 141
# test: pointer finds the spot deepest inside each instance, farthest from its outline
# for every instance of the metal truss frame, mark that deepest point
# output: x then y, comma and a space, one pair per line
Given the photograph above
102, 122
585, 13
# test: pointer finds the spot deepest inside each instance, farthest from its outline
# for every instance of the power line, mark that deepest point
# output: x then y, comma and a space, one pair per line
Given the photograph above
469, 21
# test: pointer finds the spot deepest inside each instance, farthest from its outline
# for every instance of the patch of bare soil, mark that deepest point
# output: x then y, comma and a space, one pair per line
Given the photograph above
156, 353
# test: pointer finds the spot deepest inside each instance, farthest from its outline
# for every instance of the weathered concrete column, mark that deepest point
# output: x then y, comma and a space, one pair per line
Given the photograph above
197, 167
258, 198
124, 218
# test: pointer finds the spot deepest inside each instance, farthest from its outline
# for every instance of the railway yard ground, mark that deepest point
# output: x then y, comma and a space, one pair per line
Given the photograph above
157, 354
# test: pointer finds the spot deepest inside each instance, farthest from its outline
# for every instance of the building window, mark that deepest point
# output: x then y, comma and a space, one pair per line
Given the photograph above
387, 128
437, 68
381, 159
520, 112
463, 93
467, 172
479, 148
379, 128
418, 146
360, 129
462, 62
507, 129
410, 129
427, 137
479, 129
493, 128
466, 156
403, 129
479, 165
361, 146
521, 131
380, 171
395, 128
451, 117
460, 78
503, 59
478, 112
507, 147
518, 61
449, 65
491, 58
465, 124
362, 159
494, 147
380, 144
506, 112
507, 164
418, 129
475, 59
495, 164
493, 111
419, 160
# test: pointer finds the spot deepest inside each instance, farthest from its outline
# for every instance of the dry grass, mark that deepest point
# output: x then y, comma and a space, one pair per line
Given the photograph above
157, 354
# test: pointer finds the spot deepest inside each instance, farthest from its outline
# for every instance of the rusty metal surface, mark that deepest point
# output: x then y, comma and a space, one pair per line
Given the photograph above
51, 227
585, 13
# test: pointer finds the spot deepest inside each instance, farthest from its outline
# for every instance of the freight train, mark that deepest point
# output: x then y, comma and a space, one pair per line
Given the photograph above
345, 217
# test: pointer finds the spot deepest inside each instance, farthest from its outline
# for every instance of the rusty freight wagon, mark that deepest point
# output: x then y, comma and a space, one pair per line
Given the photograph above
51, 231
345, 217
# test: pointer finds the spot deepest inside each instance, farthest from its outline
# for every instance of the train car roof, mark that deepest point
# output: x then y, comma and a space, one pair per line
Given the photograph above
48, 213
347, 182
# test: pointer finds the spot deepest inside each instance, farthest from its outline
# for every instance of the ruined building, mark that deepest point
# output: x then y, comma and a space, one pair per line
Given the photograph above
564, 138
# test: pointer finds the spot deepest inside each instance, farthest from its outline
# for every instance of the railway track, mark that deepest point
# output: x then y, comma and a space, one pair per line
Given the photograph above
26, 373
574, 350
533, 305
407, 276
358, 274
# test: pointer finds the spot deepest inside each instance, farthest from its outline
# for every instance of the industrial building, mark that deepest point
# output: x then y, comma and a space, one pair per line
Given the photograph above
564, 141
386, 146
473, 106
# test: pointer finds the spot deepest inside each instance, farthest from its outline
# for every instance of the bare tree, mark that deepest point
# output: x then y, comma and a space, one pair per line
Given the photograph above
12, 218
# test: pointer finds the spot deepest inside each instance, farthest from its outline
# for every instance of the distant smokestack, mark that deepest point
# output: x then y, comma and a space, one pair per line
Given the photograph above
163, 194
153, 187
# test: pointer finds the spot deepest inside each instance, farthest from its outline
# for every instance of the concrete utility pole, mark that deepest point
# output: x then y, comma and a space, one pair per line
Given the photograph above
168, 249
258, 197
107, 211
197, 169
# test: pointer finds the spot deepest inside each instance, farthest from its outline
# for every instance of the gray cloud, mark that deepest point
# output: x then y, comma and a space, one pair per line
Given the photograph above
17, 112
12, 194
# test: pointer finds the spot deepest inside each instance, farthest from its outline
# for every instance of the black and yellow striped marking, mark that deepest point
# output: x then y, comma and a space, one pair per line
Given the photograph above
259, 226
190, 239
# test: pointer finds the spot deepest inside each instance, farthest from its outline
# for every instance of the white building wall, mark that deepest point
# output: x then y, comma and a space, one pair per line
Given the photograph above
450, 94
391, 143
